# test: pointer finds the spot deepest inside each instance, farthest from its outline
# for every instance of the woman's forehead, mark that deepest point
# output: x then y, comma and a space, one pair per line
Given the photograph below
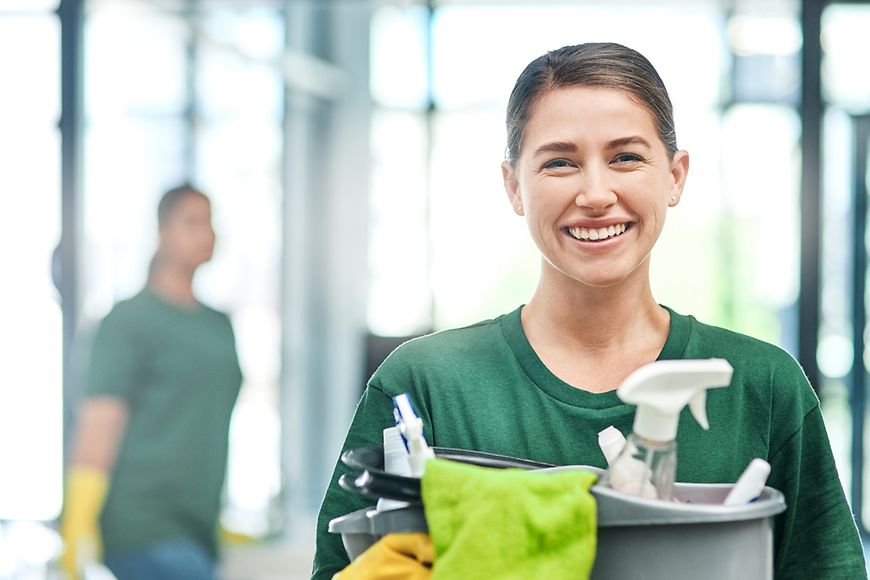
566, 111
193, 202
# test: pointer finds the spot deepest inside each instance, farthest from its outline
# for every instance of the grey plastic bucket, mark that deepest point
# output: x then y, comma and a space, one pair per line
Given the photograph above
638, 539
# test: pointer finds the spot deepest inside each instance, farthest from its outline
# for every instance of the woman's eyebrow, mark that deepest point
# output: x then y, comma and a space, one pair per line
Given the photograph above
633, 140
556, 147
568, 147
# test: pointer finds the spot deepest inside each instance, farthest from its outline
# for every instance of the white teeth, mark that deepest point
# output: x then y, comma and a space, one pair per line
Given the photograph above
597, 234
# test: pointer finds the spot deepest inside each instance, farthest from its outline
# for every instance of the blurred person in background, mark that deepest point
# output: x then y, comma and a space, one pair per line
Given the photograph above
143, 489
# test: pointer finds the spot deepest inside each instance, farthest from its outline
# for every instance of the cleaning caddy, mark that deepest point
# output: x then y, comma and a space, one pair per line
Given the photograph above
503, 517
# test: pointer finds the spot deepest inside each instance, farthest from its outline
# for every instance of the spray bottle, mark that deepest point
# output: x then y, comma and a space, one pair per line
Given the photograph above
647, 464
411, 430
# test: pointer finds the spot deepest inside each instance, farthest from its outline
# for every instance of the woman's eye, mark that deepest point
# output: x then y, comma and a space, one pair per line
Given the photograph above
557, 164
627, 158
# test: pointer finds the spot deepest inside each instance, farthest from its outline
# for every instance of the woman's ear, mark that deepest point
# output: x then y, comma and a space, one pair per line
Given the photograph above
679, 172
512, 186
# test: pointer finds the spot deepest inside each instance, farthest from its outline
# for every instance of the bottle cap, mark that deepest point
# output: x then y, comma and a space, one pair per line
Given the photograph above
751, 483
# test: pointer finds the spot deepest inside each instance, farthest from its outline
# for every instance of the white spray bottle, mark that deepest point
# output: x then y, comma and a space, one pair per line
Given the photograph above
647, 464
411, 429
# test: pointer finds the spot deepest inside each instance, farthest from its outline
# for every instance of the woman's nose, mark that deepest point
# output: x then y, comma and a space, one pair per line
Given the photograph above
594, 192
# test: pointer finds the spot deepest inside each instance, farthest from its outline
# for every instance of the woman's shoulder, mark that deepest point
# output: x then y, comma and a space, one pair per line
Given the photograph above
125, 321
451, 347
764, 373
130, 308
147, 311
452, 340
215, 313
752, 355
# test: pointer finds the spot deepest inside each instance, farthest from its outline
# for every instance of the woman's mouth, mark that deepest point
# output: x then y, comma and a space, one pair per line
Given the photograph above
597, 234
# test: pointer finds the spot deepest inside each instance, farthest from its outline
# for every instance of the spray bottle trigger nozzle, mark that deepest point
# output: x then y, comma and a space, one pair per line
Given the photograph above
698, 406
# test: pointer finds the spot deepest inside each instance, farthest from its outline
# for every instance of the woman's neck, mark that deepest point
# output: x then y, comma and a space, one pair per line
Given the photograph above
593, 338
595, 319
174, 284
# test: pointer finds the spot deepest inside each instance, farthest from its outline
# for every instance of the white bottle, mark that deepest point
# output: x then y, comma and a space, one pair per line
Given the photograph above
611, 442
751, 483
647, 465
396, 461
411, 428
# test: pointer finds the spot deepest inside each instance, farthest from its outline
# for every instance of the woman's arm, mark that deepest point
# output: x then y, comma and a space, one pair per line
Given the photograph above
100, 426
817, 536
373, 414
98, 435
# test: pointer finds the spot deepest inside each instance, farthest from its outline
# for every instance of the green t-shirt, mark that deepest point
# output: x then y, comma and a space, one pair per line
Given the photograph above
483, 387
176, 369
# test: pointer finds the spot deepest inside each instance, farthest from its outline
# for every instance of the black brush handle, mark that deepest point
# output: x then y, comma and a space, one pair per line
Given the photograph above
377, 487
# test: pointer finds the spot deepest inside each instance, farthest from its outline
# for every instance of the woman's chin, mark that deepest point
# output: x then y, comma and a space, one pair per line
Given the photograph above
605, 277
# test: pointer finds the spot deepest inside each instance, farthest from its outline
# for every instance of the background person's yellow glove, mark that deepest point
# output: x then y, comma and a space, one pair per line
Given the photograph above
85, 493
393, 557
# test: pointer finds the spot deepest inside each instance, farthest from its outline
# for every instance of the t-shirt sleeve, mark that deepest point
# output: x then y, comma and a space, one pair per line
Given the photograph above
816, 535
373, 414
116, 356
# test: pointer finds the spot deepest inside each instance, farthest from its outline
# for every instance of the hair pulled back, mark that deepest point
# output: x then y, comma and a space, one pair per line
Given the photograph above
594, 64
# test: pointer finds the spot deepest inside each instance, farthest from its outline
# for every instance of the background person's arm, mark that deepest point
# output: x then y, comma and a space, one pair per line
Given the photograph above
99, 430
100, 427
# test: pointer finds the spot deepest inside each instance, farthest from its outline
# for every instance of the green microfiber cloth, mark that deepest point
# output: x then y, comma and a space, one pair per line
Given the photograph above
509, 523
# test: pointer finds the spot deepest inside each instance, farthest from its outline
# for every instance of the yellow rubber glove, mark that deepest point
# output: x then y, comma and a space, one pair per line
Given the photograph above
393, 557
85, 493
228, 536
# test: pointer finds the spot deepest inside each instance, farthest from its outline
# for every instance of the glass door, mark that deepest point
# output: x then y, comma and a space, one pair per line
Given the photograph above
858, 376
842, 354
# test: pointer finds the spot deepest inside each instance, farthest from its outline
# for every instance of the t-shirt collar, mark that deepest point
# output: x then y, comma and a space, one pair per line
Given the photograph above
540, 375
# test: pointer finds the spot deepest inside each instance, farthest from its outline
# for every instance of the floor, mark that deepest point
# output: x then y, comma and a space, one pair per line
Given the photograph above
268, 562
29, 550
279, 560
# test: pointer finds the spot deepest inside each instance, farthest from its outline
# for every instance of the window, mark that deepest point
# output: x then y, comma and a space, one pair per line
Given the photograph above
172, 97
31, 332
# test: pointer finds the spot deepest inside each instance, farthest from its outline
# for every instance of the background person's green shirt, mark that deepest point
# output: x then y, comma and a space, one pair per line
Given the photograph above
176, 369
483, 387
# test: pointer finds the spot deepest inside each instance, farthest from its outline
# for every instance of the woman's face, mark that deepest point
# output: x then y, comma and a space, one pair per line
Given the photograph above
187, 237
594, 181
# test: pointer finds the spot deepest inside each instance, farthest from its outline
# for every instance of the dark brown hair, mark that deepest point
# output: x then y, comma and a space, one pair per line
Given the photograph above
165, 208
597, 64
172, 198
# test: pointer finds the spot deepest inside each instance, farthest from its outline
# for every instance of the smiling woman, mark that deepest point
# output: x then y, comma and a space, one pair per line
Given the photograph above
591, 159
593, 167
